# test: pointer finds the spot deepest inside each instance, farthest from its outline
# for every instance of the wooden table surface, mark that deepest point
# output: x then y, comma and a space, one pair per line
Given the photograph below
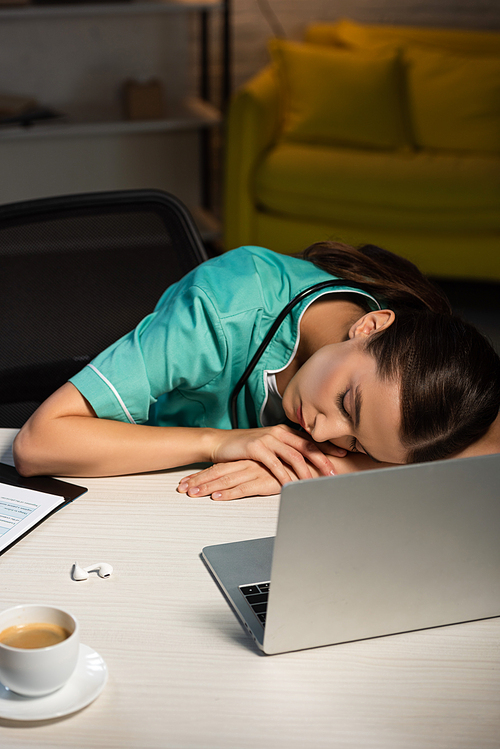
182, 672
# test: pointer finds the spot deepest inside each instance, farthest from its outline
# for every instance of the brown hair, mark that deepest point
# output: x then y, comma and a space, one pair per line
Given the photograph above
450, 381
449, 373
394, 281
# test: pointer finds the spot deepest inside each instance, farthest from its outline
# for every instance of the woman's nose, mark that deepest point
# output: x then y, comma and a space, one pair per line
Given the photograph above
325, 429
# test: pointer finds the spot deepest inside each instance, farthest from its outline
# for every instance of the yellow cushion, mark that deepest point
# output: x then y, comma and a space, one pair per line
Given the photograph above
454, 100
415, 191
341, 97
350, 33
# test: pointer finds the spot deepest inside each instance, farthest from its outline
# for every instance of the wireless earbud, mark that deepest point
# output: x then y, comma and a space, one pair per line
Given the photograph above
102, 569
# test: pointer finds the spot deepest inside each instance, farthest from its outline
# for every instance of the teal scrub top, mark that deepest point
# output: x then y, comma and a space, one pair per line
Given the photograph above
179, 366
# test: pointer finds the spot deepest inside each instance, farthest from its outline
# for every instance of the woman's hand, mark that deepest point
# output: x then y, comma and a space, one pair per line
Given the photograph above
280, 449
234, 480
248, 478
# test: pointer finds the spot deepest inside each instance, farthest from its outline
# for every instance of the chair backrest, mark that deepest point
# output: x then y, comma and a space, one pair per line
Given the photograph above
76, 273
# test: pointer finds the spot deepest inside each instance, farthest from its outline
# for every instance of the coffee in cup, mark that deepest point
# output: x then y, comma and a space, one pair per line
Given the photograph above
39, 648
34, 635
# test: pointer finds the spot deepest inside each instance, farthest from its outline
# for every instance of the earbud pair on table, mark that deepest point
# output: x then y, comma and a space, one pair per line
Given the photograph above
102, 569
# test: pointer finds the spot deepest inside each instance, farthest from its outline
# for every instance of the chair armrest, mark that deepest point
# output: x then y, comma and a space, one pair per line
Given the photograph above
253, 124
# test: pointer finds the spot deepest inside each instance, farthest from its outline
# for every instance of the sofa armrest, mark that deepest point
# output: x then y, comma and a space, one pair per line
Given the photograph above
252, 125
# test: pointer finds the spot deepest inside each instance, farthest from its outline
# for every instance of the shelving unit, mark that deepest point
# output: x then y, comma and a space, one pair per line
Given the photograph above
75, 59
125, 8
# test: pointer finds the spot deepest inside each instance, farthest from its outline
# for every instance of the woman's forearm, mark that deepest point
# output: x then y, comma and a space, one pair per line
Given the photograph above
86, 446
65, 438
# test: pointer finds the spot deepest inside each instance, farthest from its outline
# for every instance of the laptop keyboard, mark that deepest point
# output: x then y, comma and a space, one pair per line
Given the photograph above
257, 595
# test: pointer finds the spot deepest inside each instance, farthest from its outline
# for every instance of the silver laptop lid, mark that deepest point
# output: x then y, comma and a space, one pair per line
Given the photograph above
385, 551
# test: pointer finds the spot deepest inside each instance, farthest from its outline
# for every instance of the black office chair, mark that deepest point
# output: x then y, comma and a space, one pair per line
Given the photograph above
76, 273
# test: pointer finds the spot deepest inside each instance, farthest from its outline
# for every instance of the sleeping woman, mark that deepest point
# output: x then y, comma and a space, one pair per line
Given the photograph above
370, 369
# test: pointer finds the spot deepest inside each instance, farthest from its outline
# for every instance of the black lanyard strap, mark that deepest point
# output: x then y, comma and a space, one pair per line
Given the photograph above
233, 402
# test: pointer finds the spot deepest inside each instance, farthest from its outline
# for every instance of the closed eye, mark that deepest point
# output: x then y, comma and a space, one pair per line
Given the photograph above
343, 410
352, 445
340, 404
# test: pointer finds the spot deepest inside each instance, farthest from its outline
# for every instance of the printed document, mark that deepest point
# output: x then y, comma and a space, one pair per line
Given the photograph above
21, 509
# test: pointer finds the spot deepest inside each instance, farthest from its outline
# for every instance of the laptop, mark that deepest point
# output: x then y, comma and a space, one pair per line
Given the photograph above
368, 554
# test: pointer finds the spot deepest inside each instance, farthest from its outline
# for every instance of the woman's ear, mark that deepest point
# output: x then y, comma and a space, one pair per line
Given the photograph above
372, 322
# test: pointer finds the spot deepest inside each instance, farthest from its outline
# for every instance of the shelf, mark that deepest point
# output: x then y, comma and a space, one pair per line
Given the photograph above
123, 7
74, 58
191, 115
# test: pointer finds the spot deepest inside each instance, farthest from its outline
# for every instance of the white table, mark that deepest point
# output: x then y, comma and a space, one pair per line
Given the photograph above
182, 672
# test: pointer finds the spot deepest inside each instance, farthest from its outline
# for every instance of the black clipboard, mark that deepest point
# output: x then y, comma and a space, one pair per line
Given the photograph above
43, 484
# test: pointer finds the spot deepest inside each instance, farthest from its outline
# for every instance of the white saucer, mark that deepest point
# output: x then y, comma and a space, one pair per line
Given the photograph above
87, 683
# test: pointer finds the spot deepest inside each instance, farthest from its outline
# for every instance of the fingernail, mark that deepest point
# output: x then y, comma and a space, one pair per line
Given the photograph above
332, 473
183, 486
196, 490
216, 495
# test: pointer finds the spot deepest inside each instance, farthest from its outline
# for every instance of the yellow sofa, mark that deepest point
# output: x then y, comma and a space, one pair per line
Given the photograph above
372, 134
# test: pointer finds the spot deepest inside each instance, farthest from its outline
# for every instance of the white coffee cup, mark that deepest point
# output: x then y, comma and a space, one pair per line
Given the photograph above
35, 671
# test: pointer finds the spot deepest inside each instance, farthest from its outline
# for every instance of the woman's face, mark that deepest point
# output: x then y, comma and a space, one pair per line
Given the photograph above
337, 396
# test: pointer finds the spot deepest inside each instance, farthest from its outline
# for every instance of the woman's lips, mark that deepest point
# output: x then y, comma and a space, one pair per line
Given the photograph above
300, 418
